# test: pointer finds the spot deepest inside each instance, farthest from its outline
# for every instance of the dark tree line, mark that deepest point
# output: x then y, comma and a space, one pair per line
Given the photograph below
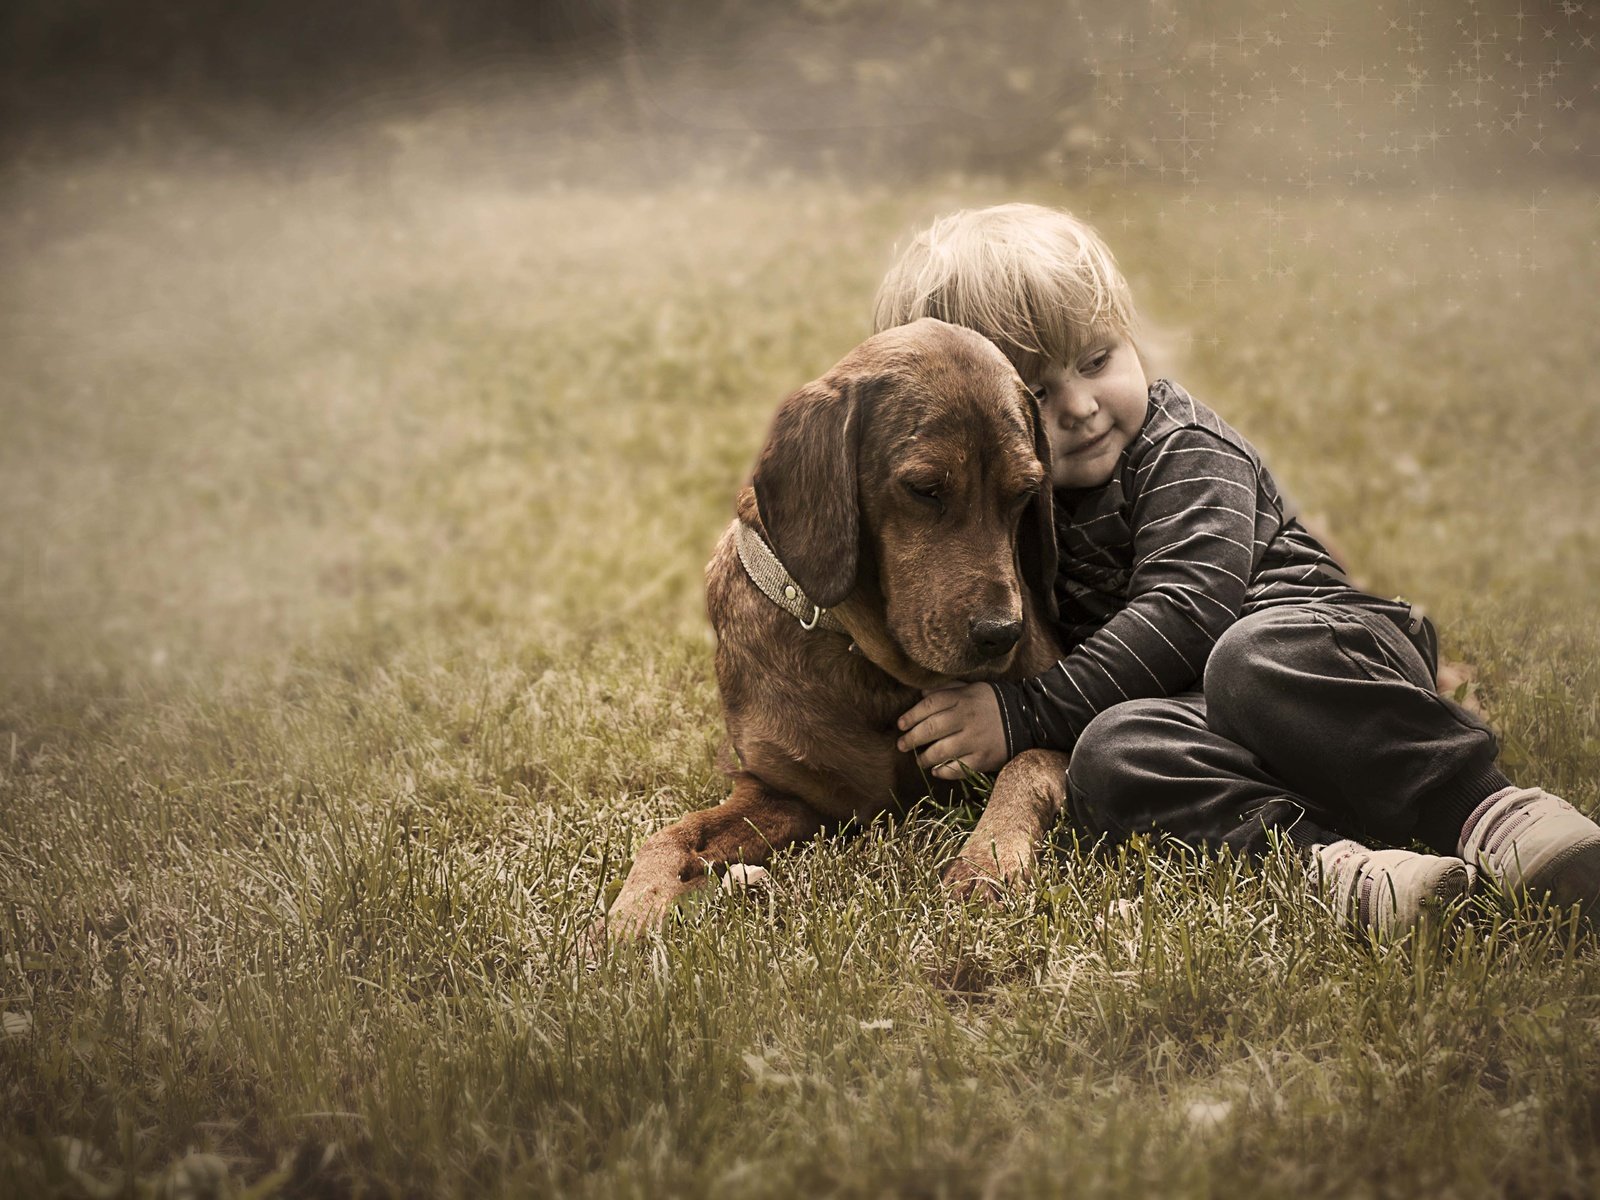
77, 59
906, 84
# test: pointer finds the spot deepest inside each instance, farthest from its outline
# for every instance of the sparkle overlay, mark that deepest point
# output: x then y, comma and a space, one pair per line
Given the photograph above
1391, 107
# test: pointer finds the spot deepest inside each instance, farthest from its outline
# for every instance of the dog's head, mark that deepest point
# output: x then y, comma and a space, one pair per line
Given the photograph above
917, 469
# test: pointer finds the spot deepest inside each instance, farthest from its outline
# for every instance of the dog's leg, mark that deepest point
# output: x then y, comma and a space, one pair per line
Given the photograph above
1001, 851
752, 823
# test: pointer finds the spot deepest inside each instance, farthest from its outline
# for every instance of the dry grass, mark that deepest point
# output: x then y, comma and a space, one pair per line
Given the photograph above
351, 636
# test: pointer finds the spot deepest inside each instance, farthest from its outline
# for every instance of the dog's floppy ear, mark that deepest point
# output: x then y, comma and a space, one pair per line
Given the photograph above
1036, 539
805, 481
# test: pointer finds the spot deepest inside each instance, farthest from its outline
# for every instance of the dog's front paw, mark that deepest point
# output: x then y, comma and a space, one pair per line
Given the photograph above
641, 910
986, 876
990, 868
964, 879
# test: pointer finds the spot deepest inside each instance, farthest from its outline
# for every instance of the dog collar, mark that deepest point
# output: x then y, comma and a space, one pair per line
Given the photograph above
777, 585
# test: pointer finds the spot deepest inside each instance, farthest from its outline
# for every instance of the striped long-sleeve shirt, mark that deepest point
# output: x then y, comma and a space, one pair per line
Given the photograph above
1189, 534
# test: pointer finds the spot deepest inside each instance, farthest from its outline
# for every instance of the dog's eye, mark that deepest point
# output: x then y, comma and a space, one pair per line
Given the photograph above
927, 493
1022, 497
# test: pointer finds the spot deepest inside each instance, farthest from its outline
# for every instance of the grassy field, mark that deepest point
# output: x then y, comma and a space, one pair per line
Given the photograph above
351, 639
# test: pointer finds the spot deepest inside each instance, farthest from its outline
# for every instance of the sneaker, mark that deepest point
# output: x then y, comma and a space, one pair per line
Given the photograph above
1386, 892
1530, 841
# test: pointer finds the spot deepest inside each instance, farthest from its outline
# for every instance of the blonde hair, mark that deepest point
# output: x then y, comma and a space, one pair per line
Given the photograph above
1037, 282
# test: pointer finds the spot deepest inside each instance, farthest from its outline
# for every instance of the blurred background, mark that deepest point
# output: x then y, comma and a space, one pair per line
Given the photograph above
1267, 91
315, 312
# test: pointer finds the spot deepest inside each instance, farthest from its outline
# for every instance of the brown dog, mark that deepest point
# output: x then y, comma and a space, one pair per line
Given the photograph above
904, 497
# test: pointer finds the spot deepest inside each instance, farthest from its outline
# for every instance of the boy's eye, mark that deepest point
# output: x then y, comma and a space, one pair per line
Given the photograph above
1096, 361
1038, 391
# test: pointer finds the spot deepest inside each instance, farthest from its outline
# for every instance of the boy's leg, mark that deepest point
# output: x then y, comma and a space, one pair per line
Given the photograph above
1156, 766
1339, 702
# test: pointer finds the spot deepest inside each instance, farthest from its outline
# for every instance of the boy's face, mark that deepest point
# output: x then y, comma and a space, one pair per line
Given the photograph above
1092, 409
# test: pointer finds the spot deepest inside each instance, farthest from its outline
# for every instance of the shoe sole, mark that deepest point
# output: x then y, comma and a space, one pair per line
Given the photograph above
1453, 883
1571, 877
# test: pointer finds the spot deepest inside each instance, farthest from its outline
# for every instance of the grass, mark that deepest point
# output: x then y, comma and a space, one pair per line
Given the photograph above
352, 640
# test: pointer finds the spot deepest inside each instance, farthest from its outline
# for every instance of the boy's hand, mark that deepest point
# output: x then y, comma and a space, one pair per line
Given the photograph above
954, 726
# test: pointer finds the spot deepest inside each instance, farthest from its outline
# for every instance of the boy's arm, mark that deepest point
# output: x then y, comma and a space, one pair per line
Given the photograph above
1194, 522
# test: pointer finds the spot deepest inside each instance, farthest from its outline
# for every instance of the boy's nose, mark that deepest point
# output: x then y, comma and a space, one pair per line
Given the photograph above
1078, 409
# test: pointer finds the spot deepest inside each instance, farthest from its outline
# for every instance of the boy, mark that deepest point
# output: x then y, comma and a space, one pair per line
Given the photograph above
1225, 677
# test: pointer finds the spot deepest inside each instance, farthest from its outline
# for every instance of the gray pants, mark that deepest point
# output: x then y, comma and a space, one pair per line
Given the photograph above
1320, 720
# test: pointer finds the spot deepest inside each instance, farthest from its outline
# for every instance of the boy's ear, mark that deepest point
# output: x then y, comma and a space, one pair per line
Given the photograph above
1036, 539
806, 493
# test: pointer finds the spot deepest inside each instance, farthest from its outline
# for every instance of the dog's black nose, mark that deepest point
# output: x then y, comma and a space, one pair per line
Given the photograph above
994, 638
